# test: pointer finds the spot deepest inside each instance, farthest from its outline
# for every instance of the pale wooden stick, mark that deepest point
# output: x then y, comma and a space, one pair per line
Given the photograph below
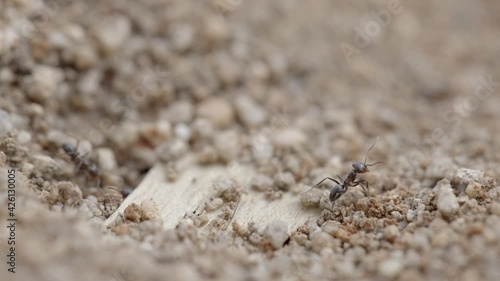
194, 187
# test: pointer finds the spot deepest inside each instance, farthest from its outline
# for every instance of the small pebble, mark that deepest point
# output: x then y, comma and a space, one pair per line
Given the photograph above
179, 112
391, 232
284, 180
69, 194
227, 145
277, 232
213, 204
474, 190
133, 213
112, 33
182, 131
261, 182
447, 202
44, 163
85, 57
23, 137
391, 268
249, 112
202, 129
3, 158
6, 125
330, 227
171, 150
462, 177
218, 110
27, 168
149, 210
495, 208
289, 138
156, 133
44, 83
125, 135
322, 240
438, 168
106, 158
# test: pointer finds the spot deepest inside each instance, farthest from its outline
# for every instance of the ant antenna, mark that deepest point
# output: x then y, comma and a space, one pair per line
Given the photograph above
366, 155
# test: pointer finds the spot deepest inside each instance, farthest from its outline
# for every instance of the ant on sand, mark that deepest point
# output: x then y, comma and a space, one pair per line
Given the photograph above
81, 164
350, 180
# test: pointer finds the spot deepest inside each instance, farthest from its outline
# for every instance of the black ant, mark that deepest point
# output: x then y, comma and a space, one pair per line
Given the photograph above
86, 166
350, 181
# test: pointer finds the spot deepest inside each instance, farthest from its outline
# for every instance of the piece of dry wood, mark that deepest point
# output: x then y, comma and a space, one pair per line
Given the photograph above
194, 187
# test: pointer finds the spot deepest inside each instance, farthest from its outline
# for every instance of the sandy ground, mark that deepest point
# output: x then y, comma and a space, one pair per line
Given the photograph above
298, 90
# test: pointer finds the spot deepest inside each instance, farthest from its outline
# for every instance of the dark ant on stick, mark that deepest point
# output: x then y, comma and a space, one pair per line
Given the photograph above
350, 181
82, 164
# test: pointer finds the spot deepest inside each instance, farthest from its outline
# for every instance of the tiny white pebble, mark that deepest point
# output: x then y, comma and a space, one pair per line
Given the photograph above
277, 232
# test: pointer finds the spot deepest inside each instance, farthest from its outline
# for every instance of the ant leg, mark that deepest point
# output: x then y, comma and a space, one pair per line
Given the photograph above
78, 166
98, 182
341, 178
365, 188
327, 178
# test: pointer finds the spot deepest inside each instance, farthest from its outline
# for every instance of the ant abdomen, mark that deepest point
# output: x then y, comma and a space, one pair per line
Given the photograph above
336, 192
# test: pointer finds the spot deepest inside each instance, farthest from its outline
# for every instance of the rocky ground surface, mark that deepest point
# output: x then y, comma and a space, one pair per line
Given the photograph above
297, 89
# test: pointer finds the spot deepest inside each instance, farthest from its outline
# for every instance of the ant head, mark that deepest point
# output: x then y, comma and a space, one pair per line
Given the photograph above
68, 148
336, 192
93, 169
360, 168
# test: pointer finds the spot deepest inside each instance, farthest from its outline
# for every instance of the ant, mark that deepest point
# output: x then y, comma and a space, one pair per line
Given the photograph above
350, 181
90, 168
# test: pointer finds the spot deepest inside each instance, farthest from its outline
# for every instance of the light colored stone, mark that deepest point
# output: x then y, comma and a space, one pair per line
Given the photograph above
438, 168
495, 208
182, 36
85, 57
6, 125
218, 110
133, 213
284, 180
391, 232
172, 150
202, 129
261, 182
474, 190
125, 135
44, 83
106, 158
277, 233
447, 202
156, 133
23, 137
69, 194
249, 112
213, 204
391, 268
289, 138
149, 210
112, 32
44, 163
322, 240
227, 145
179, 112
183, 131
463, 176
